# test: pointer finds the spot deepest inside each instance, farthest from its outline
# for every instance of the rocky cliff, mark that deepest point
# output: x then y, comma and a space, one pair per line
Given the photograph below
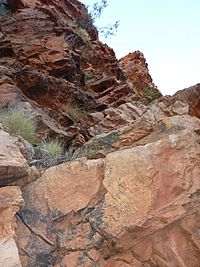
125, 191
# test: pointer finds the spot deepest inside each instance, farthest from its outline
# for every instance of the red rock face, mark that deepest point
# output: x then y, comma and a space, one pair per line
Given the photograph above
136, 69
58, 39
51, 54
136, 206
133, 200
191, 95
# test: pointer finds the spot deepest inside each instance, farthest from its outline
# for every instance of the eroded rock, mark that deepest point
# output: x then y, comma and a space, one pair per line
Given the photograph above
137, 204
10, 203
13, 165
136, 69
55, 214
123, 209
191, 96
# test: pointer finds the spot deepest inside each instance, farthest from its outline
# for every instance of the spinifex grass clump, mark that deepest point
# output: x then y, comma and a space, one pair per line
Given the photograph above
53, 147
74, 111
17, 122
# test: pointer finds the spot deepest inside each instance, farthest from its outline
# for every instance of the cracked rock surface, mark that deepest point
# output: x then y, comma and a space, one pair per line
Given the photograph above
126, 190
136, 205
10, 202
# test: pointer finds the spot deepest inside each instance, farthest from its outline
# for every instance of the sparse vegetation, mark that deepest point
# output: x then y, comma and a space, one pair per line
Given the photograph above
95, 12
42, 161
4, 8
150, 96
75, 111
109, 30
16, 122
97, 9
145, 101
53, 147
150, 93
89, 77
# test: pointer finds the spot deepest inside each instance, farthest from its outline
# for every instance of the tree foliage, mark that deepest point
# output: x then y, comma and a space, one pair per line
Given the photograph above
4, 8
95, 12
97, 9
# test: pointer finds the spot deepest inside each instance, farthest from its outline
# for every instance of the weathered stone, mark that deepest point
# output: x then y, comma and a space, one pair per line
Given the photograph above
137, 206
10, 94
10, 202
191, 96
55, 206
149, 182
52, 92
153, 196
13, 165
115, 118
150, 199
136, 69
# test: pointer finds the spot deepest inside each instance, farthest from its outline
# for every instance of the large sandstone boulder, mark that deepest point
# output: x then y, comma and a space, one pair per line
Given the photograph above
151, 179
55, 214
137, 206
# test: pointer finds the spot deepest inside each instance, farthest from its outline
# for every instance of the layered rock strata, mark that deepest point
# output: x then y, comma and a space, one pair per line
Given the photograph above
131, 198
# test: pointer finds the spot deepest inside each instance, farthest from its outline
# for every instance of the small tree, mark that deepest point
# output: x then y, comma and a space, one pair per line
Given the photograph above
97, 9
109, 30
4, 8
96, 12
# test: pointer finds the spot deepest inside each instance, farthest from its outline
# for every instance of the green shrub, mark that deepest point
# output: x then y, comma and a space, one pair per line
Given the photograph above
16, 122
74, 111
54, 148
150, 96
89, 77
145, 101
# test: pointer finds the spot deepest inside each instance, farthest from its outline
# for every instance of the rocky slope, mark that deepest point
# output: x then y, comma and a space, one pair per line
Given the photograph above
132, 196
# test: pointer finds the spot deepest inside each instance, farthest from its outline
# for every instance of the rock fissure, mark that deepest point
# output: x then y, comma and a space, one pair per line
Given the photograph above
35, 232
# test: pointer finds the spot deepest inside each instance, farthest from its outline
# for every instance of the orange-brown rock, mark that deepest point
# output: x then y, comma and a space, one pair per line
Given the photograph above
13, 165
169, 185
136, 69
191, 96
134, 200
52, 92
57, 39
10, 203
126, 125
55, 215
50, 53
14, 169
138, 205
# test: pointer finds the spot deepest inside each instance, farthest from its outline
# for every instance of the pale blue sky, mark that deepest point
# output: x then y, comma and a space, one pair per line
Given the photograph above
166, 31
